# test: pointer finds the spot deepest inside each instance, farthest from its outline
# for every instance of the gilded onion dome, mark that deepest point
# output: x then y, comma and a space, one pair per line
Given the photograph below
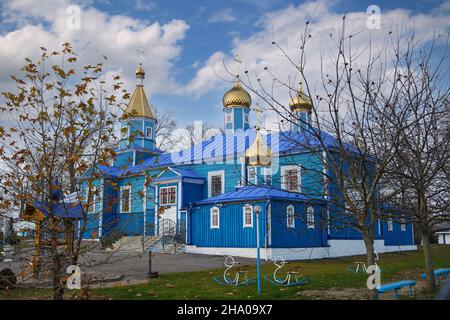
237, 96
301, 102
140, 71
258, 154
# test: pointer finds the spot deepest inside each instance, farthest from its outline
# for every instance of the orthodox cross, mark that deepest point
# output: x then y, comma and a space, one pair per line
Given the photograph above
237, 60
140, 53
259, 111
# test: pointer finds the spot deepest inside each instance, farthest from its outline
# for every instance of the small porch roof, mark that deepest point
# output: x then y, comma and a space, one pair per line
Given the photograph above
38, 211
176, 174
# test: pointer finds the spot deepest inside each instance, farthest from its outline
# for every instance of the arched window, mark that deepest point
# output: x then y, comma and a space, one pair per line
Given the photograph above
290, 216
390, 225
214, 218
402, 224
310, 217
248, 216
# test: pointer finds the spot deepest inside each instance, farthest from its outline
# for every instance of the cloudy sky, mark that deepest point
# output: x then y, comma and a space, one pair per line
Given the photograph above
187, 43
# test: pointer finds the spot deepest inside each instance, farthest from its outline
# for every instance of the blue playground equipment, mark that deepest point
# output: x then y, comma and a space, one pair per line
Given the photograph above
360, 266
292, 278
438, 273
240, 277
395, 286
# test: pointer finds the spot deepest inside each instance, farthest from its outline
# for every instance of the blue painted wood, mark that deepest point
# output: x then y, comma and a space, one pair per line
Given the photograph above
301, 236
131, 224
438, 273
231, 233
395, 286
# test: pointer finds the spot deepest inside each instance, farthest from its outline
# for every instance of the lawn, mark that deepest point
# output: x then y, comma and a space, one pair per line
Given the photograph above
328, 279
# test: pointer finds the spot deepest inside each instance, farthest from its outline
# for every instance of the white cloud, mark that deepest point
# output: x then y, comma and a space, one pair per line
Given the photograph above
225, 15
116, 36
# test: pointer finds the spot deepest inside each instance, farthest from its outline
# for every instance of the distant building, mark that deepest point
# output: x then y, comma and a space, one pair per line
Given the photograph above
443, 234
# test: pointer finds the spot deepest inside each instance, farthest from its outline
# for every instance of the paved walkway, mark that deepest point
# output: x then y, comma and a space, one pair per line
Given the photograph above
134, 266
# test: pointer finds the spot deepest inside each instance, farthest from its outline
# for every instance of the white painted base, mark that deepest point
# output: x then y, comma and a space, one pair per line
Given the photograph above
337, 248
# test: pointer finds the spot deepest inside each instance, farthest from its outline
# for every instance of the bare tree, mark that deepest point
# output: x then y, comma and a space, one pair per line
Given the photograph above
164, 128
418, 177
354, 126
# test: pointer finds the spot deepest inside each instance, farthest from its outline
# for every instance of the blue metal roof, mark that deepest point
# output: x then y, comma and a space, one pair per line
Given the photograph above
285, 142
180, 173
63, 210
387, 206
185, 173
248, 193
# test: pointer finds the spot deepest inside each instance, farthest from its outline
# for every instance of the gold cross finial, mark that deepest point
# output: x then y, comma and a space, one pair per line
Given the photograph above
140, 53
238, 61
259, 111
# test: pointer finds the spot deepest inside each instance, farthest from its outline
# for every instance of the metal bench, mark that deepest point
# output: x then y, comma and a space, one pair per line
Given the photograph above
395, 286
438, 273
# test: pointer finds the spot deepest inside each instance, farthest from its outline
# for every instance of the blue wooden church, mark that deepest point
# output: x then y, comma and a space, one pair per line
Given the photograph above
207, 194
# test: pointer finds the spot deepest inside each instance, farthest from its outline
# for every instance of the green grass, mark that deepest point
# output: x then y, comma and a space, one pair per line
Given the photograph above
323, 275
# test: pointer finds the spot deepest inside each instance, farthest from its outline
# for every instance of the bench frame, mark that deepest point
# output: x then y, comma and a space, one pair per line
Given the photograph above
385, 288
437, 274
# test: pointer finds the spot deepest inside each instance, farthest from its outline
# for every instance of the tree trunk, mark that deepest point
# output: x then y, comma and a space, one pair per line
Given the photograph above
423, 215
429, 269
58, 286
370, 260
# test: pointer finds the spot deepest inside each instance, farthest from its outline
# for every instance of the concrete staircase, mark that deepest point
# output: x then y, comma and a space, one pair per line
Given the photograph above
133, 243
142, 244
173, 248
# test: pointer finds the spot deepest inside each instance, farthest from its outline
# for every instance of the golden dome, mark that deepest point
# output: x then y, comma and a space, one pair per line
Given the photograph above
301, 102
138, 106
140, 71
237, 96
259, 154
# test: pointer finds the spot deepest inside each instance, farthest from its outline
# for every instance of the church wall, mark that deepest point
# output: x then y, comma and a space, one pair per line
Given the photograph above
398, 237
109, 214
191, 192
233, 173
311, 172
231, 231
301, 235
132, 223
92, 229
238, 114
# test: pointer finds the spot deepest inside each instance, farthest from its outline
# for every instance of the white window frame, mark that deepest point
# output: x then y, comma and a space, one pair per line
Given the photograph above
92, 208
253, 179
127, 135
268, 172
390, 225
402, 224
168, 203
310, 219
247, 225
212, 212
128, 187
216, 173
144, 201
147, 136
290, 218
284, 169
